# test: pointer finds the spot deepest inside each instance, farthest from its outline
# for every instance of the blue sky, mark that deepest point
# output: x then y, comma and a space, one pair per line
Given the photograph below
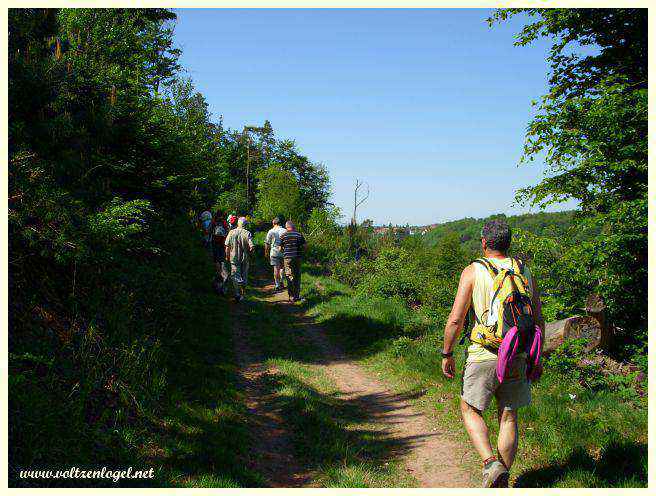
429, 107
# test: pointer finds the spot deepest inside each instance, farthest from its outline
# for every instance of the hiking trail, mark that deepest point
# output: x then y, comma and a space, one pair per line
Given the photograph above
430, 453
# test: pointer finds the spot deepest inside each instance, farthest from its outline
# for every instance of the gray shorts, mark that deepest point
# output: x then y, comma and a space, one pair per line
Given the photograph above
277, 261
480, 383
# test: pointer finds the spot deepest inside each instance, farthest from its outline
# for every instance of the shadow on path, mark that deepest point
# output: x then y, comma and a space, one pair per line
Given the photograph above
322, 437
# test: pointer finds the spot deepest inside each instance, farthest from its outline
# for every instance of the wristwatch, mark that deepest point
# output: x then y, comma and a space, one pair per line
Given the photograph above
447, 355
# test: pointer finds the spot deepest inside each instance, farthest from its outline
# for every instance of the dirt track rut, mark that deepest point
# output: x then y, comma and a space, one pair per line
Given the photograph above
430, 453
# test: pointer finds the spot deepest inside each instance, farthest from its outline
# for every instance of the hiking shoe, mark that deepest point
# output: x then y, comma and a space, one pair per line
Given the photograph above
495, 475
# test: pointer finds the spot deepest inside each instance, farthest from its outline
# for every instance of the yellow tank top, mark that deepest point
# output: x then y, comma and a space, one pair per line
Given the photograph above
481, 302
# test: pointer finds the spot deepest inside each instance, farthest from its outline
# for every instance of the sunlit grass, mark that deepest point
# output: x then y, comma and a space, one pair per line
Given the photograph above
597, 439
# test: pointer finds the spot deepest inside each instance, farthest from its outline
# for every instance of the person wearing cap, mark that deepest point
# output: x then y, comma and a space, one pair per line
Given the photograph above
239, 246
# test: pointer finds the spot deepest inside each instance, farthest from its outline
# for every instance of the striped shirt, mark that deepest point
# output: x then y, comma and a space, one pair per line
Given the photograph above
291, 243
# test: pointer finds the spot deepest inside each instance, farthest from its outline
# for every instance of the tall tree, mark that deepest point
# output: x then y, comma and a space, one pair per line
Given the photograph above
278, 194
592, 129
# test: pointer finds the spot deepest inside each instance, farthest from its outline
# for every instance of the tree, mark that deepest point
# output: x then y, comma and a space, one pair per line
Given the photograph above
359, 198
233, 200
323, 222
111, 151
278, 194
592, 128
313, 179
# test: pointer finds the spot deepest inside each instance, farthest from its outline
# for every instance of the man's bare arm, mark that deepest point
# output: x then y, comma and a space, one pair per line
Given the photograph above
456, 320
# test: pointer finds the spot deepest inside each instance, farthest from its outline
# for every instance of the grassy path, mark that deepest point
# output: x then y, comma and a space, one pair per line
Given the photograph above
320, 418
272, 455
333, 394
570, 436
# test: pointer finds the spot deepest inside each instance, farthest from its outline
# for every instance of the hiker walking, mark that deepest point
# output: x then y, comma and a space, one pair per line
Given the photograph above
239, 245
273, 251
230, 224
503, 301
219, 234
205, 225
292, 243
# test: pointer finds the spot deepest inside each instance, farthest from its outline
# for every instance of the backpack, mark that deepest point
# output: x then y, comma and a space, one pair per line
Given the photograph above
508, 326
219, 231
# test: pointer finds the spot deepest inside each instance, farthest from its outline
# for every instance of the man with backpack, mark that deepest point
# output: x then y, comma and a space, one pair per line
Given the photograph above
498, 295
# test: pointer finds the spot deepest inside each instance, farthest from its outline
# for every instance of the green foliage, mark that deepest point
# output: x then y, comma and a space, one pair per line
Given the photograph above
233, 200
323, 222
278, 194
120, 223
591, 128
549, 224
575, 364
426, 278
313, 179
110, 149
323, 235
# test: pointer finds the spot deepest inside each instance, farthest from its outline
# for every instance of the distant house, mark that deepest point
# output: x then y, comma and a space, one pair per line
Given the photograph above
401, 232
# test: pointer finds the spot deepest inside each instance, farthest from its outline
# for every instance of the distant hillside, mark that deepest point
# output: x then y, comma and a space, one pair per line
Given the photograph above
552, 224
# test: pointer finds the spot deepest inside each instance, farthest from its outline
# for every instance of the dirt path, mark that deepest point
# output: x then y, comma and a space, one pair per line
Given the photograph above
430, 454
272, 454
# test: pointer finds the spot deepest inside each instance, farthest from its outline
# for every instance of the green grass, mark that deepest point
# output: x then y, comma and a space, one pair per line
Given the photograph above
597, 439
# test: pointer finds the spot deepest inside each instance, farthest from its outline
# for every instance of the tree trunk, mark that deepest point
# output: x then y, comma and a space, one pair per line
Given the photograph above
596, 308
555, 333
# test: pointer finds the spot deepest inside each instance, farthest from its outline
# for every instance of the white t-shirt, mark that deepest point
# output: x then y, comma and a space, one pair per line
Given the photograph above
273, 240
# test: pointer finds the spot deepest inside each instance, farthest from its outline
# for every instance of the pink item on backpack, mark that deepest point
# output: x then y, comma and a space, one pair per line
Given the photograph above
533, 369
509, 348
507, 352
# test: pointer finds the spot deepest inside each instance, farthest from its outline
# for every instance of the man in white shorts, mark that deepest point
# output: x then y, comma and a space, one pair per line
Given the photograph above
274, 252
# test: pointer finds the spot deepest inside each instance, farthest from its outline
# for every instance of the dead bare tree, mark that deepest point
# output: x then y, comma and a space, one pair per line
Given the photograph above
358, 199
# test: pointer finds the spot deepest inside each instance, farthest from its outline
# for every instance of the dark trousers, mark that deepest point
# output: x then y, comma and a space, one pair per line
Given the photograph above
293, 276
